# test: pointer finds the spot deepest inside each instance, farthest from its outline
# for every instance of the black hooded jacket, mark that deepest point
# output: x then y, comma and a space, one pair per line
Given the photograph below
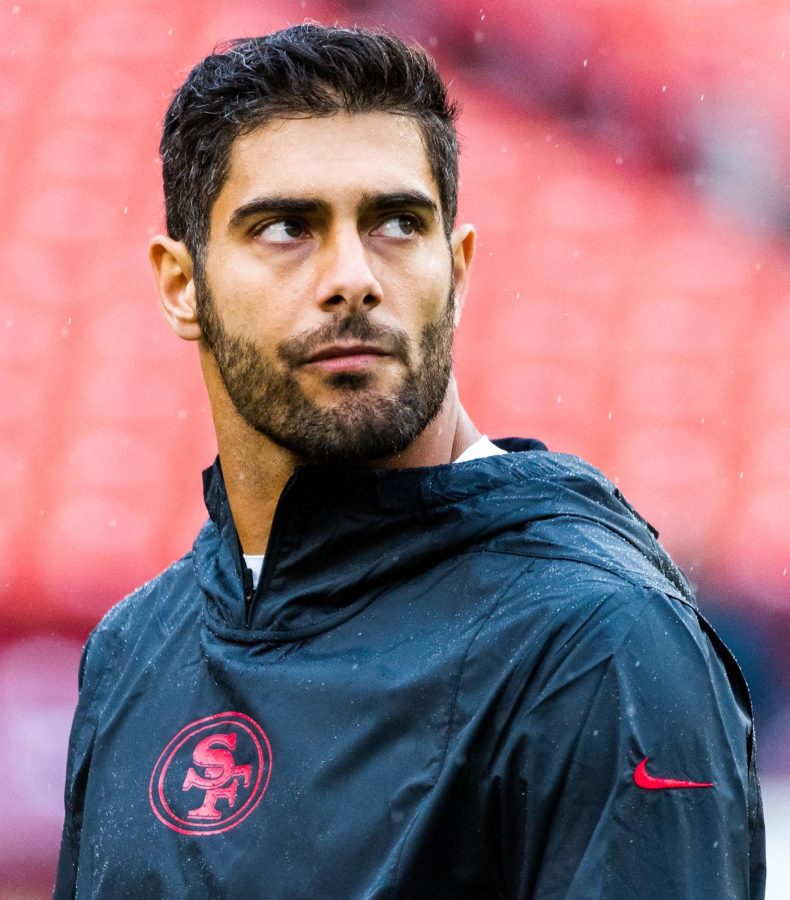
477, 680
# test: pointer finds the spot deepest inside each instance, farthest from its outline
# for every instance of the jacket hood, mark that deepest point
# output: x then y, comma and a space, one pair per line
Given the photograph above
341, 534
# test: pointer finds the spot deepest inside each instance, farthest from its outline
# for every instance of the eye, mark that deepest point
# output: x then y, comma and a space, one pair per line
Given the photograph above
282, 231
398, 226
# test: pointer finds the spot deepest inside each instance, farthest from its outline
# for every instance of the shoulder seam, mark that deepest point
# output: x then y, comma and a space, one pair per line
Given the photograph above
620, 574
453, 707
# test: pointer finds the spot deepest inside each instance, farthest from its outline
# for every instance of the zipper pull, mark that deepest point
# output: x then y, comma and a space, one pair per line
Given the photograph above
249, 588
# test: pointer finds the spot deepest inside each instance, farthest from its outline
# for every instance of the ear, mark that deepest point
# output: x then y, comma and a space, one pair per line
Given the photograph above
172, 267
462, 246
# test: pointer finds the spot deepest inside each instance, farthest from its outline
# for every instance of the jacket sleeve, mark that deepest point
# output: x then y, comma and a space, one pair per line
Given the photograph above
640, 680
92, 681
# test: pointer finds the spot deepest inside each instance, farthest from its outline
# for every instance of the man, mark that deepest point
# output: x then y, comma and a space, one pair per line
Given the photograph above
401, 660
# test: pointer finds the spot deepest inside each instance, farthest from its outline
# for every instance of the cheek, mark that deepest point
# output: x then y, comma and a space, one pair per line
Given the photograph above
425, 289
252, 308
434, 308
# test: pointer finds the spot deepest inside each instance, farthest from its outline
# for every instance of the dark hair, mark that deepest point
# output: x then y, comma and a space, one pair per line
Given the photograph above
303, 70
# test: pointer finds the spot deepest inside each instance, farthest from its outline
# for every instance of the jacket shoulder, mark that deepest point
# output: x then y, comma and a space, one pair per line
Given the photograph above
162, 601
576, 514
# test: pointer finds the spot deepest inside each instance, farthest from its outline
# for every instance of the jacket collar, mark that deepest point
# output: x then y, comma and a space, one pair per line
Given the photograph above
341, 534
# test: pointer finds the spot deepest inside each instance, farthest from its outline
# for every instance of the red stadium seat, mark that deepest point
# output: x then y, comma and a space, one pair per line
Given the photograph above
675, 478
38, 693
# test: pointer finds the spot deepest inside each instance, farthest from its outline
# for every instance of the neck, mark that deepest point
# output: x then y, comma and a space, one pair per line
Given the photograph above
256, 469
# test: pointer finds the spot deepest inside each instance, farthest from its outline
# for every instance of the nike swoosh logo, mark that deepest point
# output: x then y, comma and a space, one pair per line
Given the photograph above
643, 779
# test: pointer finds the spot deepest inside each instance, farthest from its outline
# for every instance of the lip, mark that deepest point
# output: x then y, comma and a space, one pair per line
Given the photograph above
333, 351
337, 357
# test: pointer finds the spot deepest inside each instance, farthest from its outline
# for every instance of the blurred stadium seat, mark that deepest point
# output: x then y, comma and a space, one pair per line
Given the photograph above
37, 697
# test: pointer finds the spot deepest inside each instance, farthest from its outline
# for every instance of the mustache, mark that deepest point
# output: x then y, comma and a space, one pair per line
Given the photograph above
296, 350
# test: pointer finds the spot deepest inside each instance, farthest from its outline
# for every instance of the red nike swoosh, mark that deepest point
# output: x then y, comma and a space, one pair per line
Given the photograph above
651, 783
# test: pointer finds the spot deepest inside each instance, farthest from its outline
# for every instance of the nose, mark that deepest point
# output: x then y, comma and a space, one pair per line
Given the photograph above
345, 275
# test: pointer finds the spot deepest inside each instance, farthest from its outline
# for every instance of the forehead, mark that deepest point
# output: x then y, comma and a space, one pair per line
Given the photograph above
336, 158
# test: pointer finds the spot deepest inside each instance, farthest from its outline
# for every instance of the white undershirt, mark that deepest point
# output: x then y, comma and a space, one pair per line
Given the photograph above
480, 449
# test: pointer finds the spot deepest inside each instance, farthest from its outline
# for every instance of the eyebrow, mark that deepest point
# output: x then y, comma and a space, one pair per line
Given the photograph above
278, 205
295, 206
398, 200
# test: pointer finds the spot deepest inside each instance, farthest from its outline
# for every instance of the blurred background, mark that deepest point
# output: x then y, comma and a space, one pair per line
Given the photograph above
627, 164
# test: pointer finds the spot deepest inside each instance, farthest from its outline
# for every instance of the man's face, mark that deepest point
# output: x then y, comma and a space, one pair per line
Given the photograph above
326, 294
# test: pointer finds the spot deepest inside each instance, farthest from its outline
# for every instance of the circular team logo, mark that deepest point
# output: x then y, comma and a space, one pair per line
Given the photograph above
212, 775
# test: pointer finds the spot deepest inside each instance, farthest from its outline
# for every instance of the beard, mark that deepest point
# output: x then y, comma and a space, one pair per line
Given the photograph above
361, 423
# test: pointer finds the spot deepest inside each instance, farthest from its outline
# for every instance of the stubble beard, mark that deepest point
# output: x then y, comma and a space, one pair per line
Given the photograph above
361, 423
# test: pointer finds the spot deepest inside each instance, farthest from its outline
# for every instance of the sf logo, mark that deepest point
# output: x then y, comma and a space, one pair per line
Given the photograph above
220, 778
228, 758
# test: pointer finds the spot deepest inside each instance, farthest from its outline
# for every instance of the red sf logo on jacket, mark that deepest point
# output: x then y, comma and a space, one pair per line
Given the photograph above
226, 756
